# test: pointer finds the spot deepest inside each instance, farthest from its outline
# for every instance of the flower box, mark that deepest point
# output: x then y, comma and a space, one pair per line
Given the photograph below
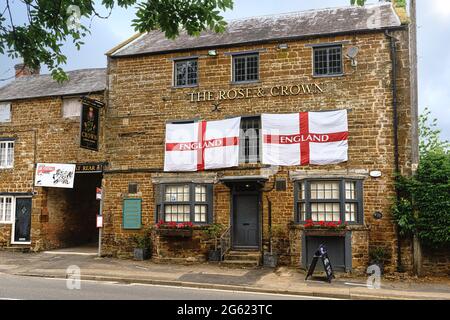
176, 233
325, 229
317, 232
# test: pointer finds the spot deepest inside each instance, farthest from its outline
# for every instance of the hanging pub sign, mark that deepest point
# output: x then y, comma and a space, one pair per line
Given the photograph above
323, 255
55, 175
89, 126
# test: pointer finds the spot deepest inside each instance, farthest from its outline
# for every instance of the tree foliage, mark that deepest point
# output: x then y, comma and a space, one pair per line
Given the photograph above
430, 135
424, 205
50, 23
398, 3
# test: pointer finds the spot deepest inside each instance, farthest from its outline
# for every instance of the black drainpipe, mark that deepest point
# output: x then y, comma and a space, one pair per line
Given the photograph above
395, 124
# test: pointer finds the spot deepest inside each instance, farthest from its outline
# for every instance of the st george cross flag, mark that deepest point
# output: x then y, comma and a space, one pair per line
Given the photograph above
202, 145
304, 138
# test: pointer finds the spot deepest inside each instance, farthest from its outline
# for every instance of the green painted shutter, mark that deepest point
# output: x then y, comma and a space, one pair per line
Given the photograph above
132, 213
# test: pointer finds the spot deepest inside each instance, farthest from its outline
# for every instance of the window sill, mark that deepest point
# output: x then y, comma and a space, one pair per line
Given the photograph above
235, 83
339, 75
6, 223
185, 87
71, 119
6, 168
325, 232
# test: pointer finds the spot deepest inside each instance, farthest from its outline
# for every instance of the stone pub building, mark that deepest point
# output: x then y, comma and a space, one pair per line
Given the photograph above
321, 60
352, 58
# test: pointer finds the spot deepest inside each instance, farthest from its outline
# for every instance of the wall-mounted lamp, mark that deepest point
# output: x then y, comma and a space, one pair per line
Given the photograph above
378, 215
212, 53
375, 174
283, 46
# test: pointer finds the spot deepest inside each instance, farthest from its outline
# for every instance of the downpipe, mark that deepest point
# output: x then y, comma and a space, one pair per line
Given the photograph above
393, 50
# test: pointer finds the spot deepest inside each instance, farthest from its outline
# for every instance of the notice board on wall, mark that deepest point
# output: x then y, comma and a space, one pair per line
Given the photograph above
132, 214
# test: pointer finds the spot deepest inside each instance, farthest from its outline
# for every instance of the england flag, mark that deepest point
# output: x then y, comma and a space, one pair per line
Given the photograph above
202, 145
317, 138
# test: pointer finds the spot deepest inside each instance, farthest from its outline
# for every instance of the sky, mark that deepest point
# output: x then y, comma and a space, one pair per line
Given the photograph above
433, 45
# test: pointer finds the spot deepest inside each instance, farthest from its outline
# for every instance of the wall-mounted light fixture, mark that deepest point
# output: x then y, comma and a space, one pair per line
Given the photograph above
378, 215
283, 46
375, 174
212, 53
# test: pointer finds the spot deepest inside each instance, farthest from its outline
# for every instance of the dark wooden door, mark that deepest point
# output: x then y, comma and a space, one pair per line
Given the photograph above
245, 221
335, 247
22, 226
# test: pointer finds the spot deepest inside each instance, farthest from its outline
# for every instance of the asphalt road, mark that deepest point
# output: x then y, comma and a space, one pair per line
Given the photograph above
33, 288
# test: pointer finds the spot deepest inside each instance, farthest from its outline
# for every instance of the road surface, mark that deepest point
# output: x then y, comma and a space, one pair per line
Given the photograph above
34, 288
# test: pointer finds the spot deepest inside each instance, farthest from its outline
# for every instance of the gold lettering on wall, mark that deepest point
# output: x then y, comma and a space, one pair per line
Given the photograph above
256, 92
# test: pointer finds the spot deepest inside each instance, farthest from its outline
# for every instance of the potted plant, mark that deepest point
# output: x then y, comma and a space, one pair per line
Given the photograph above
378, 256
214, 232
142, 247
173, 229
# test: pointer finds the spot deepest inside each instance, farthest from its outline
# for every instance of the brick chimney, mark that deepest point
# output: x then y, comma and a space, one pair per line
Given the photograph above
22, 70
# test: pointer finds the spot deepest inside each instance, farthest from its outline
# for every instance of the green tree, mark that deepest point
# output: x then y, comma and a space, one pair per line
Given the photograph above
430, 135
400, 3
50, 23
424, 205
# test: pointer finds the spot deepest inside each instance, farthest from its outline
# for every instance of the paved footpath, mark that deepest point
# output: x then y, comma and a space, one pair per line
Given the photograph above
212, 276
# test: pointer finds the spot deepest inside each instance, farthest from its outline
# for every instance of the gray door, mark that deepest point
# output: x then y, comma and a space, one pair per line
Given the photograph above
245, 221
22, 224
335, 247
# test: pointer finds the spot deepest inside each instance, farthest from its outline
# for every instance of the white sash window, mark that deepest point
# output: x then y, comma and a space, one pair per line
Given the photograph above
6, 154
6, 207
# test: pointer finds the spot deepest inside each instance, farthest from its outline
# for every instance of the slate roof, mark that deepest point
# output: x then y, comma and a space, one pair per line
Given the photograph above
80, 81
272, 27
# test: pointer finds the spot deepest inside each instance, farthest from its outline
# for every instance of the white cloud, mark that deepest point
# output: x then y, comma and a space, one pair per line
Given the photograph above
440, 7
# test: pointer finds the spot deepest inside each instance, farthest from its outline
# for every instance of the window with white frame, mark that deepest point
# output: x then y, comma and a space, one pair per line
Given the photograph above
329, 201
6, 154
186, 203
71, 107
5, 112
6, 209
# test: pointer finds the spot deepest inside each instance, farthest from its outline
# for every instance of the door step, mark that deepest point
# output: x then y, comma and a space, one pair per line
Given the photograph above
22, 249
242, 259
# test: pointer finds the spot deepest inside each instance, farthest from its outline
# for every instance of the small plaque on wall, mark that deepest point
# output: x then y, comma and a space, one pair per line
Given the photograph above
132, 214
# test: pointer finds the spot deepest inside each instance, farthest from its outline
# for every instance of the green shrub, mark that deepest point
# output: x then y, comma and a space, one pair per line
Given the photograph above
428, 195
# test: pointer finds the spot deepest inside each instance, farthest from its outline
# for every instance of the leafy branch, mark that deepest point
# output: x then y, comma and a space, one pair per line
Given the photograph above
40, 39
